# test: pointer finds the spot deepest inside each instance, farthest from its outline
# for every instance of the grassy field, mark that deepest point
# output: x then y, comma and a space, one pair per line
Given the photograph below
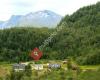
93, 67
88, 72
5, 68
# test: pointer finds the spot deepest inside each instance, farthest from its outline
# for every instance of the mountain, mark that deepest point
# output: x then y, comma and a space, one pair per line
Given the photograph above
1, 23
13, 21
85, 16
44, 18
80, 37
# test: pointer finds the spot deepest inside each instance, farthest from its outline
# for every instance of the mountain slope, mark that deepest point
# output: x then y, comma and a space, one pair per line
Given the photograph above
44, 18
88, 15
80, 37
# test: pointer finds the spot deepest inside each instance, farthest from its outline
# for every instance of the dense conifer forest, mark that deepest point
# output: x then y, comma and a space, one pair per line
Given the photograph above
79, 39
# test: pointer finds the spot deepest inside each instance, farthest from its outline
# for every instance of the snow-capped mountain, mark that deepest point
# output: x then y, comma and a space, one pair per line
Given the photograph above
44, 18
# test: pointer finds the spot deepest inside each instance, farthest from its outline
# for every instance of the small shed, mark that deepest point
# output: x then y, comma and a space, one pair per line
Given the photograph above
38, 67
64, 62
19, 67
55, 66
25, 63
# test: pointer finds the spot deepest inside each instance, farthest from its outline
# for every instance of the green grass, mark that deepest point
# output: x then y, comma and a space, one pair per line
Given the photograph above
91, 71
90, 75
5, 69
93, 67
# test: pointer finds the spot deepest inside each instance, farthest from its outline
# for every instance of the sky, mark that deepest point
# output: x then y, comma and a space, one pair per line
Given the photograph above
22, 7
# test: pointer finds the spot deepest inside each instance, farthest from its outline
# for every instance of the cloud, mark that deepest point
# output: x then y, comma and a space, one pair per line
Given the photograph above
23, 3
63, 6
22, 7
5, 9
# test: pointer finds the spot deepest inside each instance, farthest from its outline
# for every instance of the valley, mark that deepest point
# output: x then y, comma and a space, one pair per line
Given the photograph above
72, 54
56, 74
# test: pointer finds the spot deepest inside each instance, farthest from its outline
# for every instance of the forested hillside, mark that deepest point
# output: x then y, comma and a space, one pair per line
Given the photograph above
17, 43
81, 36
79, 39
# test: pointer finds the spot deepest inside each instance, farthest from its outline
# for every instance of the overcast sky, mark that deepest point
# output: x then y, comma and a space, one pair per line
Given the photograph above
22, 7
